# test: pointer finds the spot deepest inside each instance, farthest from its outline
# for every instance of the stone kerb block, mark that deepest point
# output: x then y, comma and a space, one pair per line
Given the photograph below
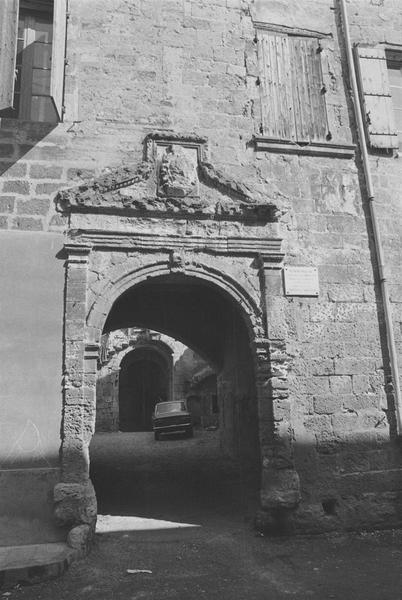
75, 504
281, 488
80, 538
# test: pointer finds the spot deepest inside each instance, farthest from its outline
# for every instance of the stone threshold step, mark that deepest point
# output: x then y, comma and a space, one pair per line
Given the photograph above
34, 563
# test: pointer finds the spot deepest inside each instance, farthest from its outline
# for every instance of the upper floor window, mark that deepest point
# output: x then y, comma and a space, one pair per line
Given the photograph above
292, 89
394, 66
32, 59
380, 86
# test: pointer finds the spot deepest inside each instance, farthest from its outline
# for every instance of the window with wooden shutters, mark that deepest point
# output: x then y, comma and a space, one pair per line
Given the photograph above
8, 50
32, 59
376, 98
292, 89
394, 68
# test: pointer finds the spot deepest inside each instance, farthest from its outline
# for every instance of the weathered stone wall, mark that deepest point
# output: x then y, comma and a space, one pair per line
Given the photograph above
138, 67
345, 447
107, 403
202, 399
134, 67
380, 23
185, 367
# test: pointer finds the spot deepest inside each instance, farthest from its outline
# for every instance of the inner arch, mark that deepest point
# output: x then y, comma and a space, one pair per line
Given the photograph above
206, 318
144, 381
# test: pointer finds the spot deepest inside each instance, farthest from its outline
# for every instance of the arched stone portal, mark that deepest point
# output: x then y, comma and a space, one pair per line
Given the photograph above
210, 276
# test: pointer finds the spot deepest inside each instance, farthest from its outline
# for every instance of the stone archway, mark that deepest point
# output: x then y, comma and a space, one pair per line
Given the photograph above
279, 488
203, 315
115, 352
106, 259
144, 380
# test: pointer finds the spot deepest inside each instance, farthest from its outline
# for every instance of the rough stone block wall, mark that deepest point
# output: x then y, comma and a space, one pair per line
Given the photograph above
185, 368
181, 66
381, 23
107, 411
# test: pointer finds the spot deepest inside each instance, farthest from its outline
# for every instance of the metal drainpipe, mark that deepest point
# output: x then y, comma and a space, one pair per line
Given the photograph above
376, 231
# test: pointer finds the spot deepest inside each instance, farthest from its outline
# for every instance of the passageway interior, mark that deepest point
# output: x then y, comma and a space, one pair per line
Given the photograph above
143, 381
178, 478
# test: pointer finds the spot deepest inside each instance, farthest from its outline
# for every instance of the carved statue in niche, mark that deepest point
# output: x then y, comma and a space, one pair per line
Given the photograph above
178, 173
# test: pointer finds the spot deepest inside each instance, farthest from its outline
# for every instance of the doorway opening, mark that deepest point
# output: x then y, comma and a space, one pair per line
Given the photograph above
180, 478
143, 382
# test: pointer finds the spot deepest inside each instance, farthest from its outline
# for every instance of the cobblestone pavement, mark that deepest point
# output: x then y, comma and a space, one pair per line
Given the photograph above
180, 511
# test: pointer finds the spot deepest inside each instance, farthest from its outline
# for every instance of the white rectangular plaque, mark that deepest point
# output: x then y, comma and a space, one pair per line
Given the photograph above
301, 281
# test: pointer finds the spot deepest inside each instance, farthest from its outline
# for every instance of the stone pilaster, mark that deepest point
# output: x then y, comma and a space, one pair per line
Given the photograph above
75, 464
75, 501
280, 487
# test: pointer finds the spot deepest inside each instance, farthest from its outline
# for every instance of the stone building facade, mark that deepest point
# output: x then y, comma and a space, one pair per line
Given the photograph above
199, 159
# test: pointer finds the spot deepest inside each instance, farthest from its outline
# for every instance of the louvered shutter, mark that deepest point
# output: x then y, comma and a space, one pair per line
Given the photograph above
58, 54
276, 86
376, 97
310, 112
8, 50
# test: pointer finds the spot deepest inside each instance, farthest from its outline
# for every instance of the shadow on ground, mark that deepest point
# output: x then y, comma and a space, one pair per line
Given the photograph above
176, 478
220, 556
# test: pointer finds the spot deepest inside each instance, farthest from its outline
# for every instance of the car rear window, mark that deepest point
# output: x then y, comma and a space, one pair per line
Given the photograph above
168, 407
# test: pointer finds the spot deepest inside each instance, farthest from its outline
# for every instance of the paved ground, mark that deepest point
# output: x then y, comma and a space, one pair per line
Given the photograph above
182, 513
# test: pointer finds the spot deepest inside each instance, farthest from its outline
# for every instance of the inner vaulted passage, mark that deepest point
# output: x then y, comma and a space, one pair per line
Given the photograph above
207, 320
143, 381
176, 477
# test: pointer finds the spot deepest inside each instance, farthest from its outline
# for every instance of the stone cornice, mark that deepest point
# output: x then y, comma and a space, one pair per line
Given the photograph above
269, 248
77, 253
262, 143
272, 260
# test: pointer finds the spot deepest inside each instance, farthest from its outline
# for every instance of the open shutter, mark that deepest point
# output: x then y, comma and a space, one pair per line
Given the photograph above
376, 97
310, 111
276, 86
58, 54
8, 50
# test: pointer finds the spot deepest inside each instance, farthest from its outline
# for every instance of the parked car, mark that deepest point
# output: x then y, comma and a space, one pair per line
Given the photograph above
172, 417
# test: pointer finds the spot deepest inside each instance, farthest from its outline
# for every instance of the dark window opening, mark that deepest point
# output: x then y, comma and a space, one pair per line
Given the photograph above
33, 62
215, 407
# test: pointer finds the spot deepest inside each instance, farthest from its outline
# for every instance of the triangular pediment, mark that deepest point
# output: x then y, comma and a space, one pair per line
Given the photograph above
175, 179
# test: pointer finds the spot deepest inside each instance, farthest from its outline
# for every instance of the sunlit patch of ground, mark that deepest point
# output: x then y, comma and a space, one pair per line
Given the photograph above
113, 524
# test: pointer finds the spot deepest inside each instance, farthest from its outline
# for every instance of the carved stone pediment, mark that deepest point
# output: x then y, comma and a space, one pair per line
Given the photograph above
175, 179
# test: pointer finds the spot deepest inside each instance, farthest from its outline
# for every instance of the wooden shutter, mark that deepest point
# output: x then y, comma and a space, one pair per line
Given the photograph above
293, 102
58, 54
310, 111
376, 97
276, 86
8, 50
